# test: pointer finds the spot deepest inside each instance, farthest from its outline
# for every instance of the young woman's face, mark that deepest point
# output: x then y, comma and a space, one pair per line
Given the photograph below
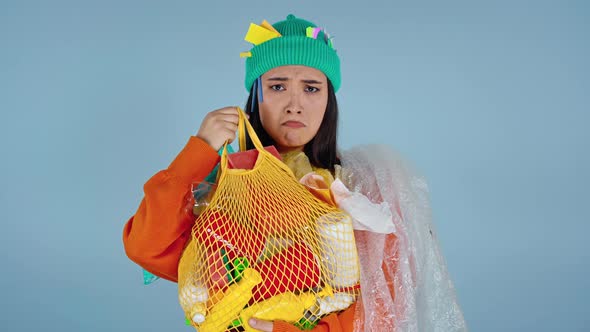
294, 103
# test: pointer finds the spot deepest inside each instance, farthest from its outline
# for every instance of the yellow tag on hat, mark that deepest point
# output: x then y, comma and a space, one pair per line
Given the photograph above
267, 25
258, 34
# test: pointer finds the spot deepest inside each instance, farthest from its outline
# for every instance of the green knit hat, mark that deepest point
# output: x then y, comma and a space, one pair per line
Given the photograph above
293, 41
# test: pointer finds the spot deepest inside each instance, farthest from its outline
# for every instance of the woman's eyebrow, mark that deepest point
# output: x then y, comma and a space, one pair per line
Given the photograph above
283, 79
311, 81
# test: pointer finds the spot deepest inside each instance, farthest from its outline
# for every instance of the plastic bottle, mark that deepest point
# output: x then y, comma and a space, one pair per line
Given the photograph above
338, 249
193, 300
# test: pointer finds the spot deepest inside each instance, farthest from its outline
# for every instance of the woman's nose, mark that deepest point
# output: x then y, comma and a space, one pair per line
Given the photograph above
294, 105
291, 110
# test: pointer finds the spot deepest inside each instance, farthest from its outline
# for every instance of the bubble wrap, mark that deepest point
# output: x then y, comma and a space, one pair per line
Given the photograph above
405, 285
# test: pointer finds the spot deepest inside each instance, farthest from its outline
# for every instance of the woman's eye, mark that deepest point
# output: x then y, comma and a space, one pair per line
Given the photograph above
277, 87
311, 89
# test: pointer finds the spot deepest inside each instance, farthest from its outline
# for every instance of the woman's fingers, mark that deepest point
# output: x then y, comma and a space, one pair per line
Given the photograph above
219, 126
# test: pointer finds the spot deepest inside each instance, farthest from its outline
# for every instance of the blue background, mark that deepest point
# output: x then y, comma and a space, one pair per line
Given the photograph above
489, 100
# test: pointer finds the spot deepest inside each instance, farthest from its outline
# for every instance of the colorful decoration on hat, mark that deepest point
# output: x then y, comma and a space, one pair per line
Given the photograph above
258, 34
269, 26
328, 39
313, 32
259, 82
254, 95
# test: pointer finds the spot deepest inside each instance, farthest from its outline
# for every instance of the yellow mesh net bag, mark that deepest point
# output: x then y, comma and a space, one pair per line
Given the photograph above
266, 247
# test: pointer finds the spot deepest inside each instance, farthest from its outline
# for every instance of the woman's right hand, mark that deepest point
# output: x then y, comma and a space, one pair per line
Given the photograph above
219, 126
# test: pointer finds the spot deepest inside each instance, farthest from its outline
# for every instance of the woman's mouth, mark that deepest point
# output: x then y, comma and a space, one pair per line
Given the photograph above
293, 124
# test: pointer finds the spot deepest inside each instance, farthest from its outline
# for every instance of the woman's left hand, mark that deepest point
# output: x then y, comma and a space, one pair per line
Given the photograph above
261, 325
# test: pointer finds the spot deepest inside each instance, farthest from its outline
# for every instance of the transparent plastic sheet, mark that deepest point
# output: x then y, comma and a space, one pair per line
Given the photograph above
201, 194
405, 285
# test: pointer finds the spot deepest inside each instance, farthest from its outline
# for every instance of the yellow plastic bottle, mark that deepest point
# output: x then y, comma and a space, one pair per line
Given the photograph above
198, 313
193, 298
233, 301
287, 307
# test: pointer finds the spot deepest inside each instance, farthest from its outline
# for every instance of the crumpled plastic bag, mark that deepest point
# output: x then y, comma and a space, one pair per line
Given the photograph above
405, 285
365, 214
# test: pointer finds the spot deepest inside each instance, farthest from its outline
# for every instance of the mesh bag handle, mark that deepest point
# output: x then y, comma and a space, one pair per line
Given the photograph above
243, 127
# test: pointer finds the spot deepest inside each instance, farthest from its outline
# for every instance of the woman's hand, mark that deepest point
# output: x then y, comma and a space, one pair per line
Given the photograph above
219, 126
261, 325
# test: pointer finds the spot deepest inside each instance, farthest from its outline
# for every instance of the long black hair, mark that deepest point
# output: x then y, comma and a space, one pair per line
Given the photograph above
322, 149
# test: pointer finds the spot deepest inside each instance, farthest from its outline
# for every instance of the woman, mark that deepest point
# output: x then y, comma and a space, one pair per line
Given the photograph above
293, 73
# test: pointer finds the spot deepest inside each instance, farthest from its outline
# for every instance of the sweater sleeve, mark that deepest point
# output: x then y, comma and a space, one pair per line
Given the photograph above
342, 322
156, 235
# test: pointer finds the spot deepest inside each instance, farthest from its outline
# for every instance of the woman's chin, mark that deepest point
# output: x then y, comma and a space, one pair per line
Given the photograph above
283, 148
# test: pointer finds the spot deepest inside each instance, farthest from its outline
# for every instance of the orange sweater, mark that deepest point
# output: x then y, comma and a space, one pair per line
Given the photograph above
156, 235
